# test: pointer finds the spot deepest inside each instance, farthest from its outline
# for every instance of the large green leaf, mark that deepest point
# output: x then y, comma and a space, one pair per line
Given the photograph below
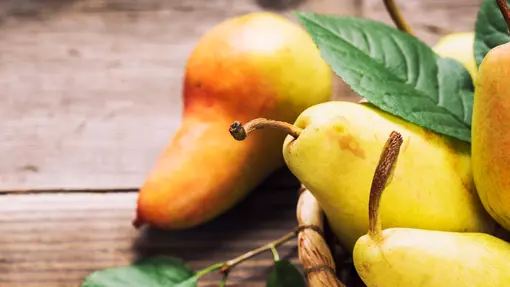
285, 274
396, 72
154, 272
491, 29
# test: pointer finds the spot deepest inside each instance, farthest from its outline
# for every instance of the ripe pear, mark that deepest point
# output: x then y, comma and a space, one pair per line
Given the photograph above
403, 257
253, 65
333, 147
490, 134
460, 47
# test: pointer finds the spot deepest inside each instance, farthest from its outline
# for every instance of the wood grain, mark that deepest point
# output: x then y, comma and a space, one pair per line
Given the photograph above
429, 19
90, 94
91, 90
55, 240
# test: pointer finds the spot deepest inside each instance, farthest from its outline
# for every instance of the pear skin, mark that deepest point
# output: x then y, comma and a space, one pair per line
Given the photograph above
257, 64
403, 257
428, 258
460, 47
337, 151
490, 134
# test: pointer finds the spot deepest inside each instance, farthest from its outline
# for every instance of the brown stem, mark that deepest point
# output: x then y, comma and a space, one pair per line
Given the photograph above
503, 7
381, 179
240, 132
233, 262
397, 17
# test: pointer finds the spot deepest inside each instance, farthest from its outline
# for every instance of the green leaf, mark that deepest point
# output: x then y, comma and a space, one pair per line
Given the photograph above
490, 29
154, 272
396, 72
284, 274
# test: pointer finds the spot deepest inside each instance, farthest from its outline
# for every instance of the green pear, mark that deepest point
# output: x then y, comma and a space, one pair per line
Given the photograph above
460, 47
404, 257
490, 134
333, 147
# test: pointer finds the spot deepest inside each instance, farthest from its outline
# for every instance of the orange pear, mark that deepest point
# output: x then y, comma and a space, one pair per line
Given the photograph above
490, 139
255, 65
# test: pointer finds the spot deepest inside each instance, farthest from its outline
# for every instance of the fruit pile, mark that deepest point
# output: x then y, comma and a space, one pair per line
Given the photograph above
433, 133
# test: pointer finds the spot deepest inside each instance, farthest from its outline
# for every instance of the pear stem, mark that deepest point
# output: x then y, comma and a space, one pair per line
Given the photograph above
397, 17
240, 132
503, 7
382, 177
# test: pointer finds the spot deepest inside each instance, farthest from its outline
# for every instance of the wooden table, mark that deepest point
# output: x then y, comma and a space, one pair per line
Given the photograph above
90, 93
58, 239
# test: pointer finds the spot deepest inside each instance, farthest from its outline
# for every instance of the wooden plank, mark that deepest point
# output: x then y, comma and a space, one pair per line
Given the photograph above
55, 240
91, 89
429, 19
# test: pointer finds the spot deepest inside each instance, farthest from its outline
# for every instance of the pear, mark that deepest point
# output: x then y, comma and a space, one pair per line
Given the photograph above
333, 147
253, 65
490, 134
404, 257
460, 47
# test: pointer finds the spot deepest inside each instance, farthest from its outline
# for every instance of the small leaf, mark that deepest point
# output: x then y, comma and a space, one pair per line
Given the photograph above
285, 274
396, 72
491, 29
153, 272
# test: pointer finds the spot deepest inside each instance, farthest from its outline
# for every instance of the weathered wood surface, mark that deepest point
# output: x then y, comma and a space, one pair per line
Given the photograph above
90, 93
55, 240
91, 90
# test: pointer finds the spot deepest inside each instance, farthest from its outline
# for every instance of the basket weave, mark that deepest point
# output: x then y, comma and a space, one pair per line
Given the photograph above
314, 252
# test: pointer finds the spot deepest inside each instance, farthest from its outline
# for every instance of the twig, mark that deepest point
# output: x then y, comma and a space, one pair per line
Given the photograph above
276, 256
503, 7
233, 262
223, 282
397, 17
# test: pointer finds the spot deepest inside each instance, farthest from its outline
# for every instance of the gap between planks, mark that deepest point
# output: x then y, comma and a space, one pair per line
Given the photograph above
58, 239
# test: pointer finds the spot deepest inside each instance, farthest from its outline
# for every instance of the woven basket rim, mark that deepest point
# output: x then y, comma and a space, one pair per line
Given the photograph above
314, 252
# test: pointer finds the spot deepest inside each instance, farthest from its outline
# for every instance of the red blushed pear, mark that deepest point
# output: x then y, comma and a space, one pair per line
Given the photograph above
254, 65
490, 130
491, 134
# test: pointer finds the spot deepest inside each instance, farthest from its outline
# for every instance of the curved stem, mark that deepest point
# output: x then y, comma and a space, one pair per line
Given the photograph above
397, 17
240, 132
276, 256
382, 177
223, 282
225, 267
503, 7
211, 268
232, 263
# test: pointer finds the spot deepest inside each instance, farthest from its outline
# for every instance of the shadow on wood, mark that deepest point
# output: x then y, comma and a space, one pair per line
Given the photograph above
265, 215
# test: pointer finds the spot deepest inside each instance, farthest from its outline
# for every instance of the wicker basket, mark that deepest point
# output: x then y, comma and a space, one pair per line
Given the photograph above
319, 252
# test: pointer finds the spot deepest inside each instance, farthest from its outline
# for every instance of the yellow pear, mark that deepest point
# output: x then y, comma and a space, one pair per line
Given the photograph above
333, 149
405, 257
491, 134
460, 47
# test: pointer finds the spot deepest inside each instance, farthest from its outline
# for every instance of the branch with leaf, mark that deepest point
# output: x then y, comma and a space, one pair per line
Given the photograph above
170, 271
